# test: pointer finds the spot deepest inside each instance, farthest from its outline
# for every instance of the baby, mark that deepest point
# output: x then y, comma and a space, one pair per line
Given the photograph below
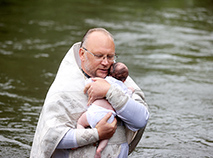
99, 108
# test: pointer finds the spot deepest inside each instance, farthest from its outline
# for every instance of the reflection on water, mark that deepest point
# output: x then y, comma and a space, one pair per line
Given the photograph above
166, 45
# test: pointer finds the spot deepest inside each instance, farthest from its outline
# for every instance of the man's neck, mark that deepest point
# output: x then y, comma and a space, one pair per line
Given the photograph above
85, 73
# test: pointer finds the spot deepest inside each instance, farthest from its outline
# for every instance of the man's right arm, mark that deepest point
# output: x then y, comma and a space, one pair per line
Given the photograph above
80, 137
75, 138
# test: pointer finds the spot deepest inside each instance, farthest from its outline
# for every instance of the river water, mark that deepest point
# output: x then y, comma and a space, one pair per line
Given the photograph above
167, 45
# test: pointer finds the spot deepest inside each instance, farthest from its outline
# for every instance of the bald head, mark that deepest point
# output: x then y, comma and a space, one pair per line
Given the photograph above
97, 30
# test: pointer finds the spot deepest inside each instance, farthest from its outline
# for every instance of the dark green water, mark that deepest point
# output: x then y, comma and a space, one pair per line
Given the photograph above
167, 45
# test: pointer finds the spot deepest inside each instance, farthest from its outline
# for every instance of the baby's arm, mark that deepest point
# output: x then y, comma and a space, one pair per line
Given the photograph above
82, 121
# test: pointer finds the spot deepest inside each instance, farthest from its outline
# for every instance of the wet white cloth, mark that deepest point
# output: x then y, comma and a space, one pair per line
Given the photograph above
95, 113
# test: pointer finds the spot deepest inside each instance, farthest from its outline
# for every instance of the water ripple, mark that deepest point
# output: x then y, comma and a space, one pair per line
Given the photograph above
15, 142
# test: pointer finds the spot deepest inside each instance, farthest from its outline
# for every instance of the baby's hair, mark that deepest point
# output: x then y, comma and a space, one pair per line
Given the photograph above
119, 71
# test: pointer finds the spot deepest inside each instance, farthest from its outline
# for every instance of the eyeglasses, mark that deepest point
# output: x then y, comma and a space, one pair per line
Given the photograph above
101, 57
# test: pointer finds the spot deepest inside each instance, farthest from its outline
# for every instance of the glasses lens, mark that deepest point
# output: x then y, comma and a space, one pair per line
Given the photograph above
102, 57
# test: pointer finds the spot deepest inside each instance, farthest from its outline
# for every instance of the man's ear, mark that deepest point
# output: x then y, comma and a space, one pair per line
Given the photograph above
81, 54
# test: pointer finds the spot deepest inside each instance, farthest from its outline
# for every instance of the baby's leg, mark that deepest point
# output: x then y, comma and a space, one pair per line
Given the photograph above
101, 147
82, 121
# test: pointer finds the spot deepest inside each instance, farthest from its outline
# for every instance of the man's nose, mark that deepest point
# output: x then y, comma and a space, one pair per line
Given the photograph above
105, 60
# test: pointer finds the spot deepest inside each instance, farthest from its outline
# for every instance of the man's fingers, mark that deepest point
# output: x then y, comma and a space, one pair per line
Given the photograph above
90, 101
107, 116
96, 78
114, 122
86, 88
105, 129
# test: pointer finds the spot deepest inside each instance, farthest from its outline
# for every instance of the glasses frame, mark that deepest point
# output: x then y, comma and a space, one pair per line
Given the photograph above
103, 57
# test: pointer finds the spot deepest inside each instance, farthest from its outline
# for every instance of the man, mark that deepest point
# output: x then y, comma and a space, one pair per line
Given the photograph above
56, 134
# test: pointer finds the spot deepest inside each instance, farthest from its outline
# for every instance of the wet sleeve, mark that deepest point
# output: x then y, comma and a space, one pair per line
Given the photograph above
68, 141
78, 137
127, 107
140, 113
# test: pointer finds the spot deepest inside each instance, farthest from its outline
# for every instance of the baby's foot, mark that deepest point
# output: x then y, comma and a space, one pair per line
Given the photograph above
98, 154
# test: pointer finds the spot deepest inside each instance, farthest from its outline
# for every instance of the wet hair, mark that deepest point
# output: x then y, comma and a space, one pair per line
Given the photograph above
119, 71
94, 30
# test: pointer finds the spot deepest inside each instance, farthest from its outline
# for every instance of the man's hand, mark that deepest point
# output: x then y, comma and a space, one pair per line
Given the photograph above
105, 129
97, 89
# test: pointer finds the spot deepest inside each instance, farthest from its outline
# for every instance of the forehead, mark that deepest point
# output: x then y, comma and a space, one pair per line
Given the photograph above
100, 42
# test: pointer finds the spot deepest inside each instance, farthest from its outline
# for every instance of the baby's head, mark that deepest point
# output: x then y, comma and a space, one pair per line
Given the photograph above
119, 71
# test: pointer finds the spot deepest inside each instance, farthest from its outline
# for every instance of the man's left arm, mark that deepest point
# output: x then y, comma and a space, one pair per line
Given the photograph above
133, 111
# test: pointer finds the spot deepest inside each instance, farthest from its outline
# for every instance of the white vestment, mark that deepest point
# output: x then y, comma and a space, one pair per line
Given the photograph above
64, 104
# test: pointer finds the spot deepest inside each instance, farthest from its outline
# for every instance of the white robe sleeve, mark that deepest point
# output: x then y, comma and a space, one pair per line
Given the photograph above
126, 108
68, 141
78, 137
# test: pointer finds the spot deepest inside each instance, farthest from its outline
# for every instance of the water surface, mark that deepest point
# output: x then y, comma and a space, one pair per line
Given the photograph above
167, 45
